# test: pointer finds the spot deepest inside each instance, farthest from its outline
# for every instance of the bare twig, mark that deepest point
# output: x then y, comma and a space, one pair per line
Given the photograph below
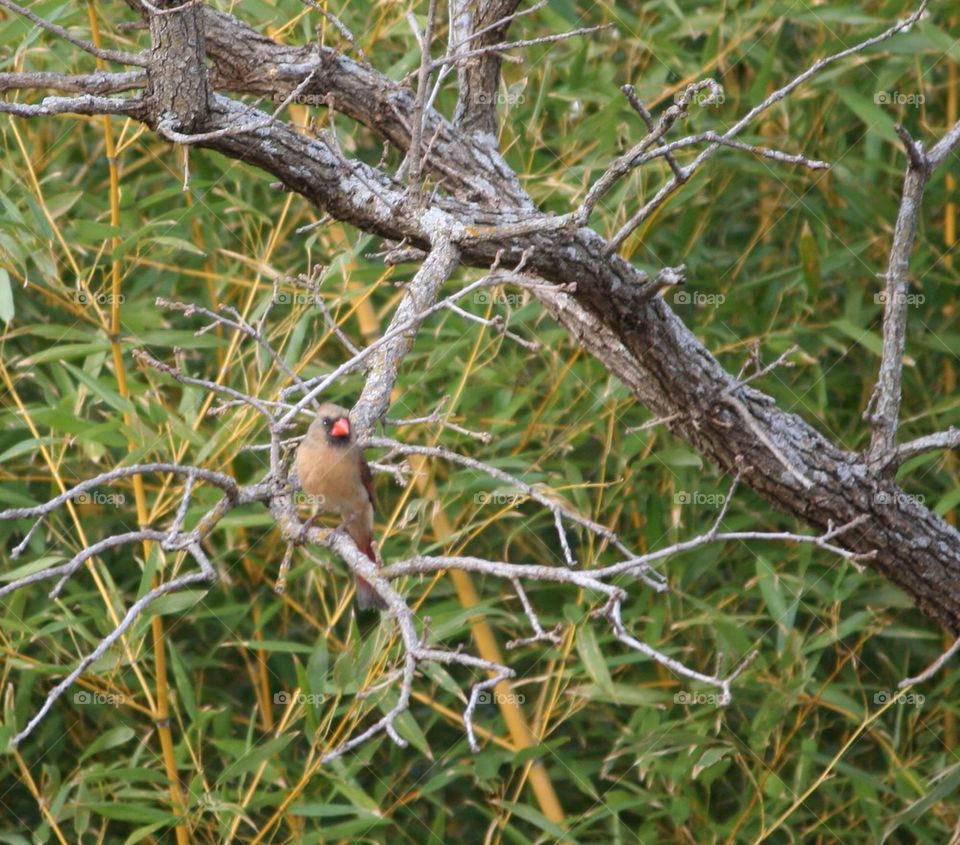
551, 503
631, 95
539, 635
949, 439
174, 373
667, 189
653, 423
40, 512
107, 55
933, 668
457, 58
423, 81
86, 104
598, 578
497, 323
737, 404
440, 418
205, 575
398, 326
340, 26
238, 324
883, 410
632, 158
780, 361
99, 83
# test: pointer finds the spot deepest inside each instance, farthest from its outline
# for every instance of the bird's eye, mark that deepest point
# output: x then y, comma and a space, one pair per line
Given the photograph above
327, 422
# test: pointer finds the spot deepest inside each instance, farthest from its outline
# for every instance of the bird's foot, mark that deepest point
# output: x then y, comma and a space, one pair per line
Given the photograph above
302, 539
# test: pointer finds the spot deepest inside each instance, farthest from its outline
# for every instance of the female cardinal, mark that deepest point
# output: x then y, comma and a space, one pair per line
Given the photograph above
332, 469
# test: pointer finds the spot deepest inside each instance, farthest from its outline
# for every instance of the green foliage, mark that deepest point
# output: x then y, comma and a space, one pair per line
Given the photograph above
813, 746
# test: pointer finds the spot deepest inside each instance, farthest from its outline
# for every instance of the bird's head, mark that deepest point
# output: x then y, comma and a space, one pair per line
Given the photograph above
332, 424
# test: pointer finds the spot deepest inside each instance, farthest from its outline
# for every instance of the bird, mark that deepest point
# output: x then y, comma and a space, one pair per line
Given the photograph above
332, 470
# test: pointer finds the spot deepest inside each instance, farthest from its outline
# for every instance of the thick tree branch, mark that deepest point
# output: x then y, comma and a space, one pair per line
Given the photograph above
479, 24
178, 84
248, 62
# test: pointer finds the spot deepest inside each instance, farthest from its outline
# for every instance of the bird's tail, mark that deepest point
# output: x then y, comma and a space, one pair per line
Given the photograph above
367, 597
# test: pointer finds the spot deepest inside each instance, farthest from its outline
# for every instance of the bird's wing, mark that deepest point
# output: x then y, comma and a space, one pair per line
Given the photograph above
367, 478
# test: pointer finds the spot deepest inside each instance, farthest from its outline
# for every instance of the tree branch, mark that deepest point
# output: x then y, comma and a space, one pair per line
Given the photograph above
100, 83
883, 410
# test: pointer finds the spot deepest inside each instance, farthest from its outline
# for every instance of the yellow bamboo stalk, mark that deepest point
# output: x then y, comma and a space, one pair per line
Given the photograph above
483, 634
489, 649
950, 212
949, 241
38, 796
161, 714
825, 774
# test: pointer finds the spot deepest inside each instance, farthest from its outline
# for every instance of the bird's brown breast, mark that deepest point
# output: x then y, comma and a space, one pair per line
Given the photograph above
332, 477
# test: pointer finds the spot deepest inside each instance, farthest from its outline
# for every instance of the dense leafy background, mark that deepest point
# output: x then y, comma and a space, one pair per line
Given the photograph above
812, 748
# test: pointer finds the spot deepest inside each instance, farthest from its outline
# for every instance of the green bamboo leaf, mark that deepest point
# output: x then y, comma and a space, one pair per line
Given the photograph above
107, 740
174, 603
316, 810
64, 352
251, 760
184, 685
6, 297
810, 260
278, 646
133, 812
538, 820
593, 659
869, 340
100, 388
33, 566
408, 728
60, 332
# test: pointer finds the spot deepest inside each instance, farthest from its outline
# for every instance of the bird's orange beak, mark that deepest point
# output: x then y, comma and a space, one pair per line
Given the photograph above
341, 427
